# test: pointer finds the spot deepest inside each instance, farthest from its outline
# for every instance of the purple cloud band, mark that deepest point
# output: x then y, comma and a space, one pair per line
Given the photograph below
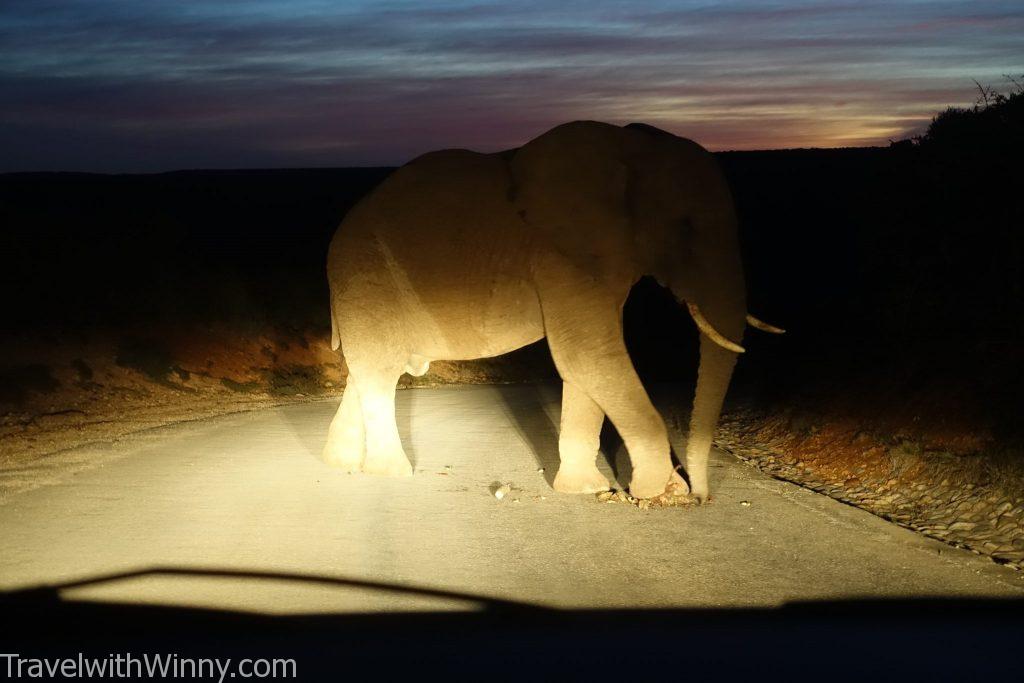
119, 85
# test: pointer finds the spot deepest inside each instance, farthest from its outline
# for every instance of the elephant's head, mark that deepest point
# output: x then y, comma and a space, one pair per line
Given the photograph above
660, 200
633, 201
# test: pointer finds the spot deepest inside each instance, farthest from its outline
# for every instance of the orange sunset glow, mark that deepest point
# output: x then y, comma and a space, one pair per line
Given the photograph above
124, 86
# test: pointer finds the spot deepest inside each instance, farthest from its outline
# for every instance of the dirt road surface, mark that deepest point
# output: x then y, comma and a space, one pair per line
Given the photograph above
247, 492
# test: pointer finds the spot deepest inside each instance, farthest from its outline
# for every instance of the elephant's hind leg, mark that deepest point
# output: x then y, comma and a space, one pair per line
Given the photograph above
579, 440
375, 385
345, 439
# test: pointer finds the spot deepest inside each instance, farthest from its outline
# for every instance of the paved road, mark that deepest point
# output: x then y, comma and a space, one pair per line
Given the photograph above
247, 492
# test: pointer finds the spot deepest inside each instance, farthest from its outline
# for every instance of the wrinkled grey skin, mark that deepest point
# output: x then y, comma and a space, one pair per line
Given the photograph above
461, 255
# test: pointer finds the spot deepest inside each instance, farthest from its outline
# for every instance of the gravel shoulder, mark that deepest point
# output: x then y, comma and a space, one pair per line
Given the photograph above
967, 502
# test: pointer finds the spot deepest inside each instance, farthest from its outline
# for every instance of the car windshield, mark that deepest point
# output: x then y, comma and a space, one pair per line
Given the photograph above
619, 340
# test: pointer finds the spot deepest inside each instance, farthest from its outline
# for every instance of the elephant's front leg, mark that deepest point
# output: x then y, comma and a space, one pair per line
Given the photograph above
579, 440
583, 324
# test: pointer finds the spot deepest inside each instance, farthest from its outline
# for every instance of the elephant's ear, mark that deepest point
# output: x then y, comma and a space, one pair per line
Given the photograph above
570, 185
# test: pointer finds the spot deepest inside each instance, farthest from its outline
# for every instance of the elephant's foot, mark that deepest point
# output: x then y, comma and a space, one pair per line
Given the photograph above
648, 482
583, 478
677, 486
699, 491
387, 464
343, 456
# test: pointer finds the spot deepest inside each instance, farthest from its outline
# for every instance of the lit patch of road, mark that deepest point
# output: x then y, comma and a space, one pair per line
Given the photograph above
247, 492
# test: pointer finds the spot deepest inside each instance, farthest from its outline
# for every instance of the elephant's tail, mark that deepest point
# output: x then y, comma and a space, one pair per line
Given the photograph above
335, 338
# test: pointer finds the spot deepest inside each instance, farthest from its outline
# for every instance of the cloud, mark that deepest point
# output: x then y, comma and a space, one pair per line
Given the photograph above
251, 82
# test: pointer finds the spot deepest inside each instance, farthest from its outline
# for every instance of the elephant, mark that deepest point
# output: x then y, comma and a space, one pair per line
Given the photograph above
460, 255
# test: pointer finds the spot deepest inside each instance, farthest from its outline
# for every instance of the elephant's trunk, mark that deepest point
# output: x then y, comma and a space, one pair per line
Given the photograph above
718, 355
716, 366
709, 278
720, 314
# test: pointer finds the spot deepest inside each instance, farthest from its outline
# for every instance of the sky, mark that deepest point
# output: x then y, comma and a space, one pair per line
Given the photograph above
153, 85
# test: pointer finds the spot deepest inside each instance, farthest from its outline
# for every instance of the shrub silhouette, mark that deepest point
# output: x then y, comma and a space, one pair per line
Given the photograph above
995, 122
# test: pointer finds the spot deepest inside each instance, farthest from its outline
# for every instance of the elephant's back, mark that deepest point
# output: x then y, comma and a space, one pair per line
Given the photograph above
454, 192
444, 214
441, 238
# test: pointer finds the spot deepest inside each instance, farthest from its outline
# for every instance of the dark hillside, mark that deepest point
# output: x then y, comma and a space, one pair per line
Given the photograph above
87, 251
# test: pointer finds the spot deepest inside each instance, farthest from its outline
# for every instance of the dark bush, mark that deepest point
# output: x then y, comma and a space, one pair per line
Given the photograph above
994, 124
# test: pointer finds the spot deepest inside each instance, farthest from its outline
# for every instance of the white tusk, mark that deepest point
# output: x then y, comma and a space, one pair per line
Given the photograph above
763, 326
710, 332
